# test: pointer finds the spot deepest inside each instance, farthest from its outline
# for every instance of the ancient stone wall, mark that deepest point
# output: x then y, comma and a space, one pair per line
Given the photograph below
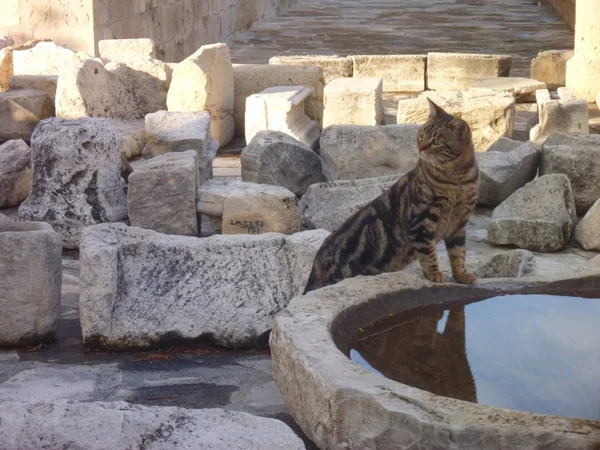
178, 27
565, 9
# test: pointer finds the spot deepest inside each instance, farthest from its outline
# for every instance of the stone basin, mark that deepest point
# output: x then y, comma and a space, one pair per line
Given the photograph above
341, 405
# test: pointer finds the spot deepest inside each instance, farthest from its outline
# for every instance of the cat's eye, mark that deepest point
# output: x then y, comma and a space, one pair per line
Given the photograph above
437, 142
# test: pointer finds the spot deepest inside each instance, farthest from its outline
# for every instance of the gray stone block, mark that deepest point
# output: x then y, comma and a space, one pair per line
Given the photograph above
15, 172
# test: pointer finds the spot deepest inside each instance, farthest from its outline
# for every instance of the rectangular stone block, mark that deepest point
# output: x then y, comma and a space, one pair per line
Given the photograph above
565, 115
550, 67
353, 101
124, 50
251, 79
20, 112
161, 195
333, 66
457, 71
400, 73
45, 83
45, 58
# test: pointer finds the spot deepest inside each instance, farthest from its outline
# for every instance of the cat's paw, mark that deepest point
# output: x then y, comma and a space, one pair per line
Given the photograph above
465, 278
435, 277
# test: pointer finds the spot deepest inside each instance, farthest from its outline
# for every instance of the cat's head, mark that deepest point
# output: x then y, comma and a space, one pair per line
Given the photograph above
444, 138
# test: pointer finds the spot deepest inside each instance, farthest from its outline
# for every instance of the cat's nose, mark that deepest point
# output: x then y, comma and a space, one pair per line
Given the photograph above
422, 146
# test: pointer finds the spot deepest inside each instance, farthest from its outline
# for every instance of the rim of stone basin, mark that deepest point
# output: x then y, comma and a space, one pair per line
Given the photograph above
341, 405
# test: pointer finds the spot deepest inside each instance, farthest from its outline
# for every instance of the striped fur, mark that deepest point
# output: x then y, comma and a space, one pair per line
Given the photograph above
430, 203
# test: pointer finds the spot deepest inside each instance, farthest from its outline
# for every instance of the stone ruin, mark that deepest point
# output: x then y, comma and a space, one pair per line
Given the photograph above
113, 156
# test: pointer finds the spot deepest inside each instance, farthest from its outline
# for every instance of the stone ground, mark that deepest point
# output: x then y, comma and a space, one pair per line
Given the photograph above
204, 376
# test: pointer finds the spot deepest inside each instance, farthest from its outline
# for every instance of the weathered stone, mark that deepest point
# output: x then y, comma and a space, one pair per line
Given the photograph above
456, 71
125, 50
6, 60
140, 288
511, 264
522, 89
30, 282
551, 67
45, 83
180, 131
400, 73
6, 41
15, 173
238, 207
489, 114
275, 158
504, 145
350, 152
565, 115
68, 424
502, 173
333, 66
253, 78
328, 205
161, 195
204, 82
353, 101
539, 217
133, 137
281, 108
44, 58
578, 157
117, 91
76, 180
20, 112
125, 167
587, 232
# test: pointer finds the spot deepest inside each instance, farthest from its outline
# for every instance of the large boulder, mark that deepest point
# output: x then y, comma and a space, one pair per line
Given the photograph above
20, 112
578, 157
539, 217
276, 158
502, 173
511, 264
351, 152
77, 425
204, 82
15, 173
140, 288
76, 176
30, 282
328, 205
133, 136
44, 58
489, 114
6, 60
587, 232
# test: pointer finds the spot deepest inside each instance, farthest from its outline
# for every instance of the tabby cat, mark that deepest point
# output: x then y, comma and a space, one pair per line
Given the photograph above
431, 202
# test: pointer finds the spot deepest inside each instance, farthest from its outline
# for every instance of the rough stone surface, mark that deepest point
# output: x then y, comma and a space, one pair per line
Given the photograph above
502, 173
539, 217
239, 207
565, 115
76, 179
117, 91
350, 152
511, 264
45, 58
587, 232
6, 60
20, 112
333, 66
140, 288
180, 131
133, 137
578, 157
69, 424
353, 101
124, 50
456, 71
15, 172
522, 89
161, 194
30, 282
328, 205
204, 82
551, 67
253, 78
504, 145
6, 41
45, 83
275, 158
400, 73
489, 114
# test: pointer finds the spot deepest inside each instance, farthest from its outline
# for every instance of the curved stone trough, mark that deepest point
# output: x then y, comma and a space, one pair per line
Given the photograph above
341, 405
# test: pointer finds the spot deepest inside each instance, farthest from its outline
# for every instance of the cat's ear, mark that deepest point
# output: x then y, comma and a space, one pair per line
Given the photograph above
435, 111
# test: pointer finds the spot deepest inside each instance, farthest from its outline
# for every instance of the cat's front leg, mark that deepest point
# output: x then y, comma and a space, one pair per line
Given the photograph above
426, 253
455, 245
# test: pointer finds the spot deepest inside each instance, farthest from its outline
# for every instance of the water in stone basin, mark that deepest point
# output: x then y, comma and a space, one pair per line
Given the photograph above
535, 353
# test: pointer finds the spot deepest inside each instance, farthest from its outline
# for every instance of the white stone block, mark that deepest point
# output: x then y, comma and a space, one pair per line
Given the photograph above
333, 66
551, 67
566, 115
456, 71
353, 101
400, 73
125, 50
522, 89
565, 94
45, 58
281, 109
249, 208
